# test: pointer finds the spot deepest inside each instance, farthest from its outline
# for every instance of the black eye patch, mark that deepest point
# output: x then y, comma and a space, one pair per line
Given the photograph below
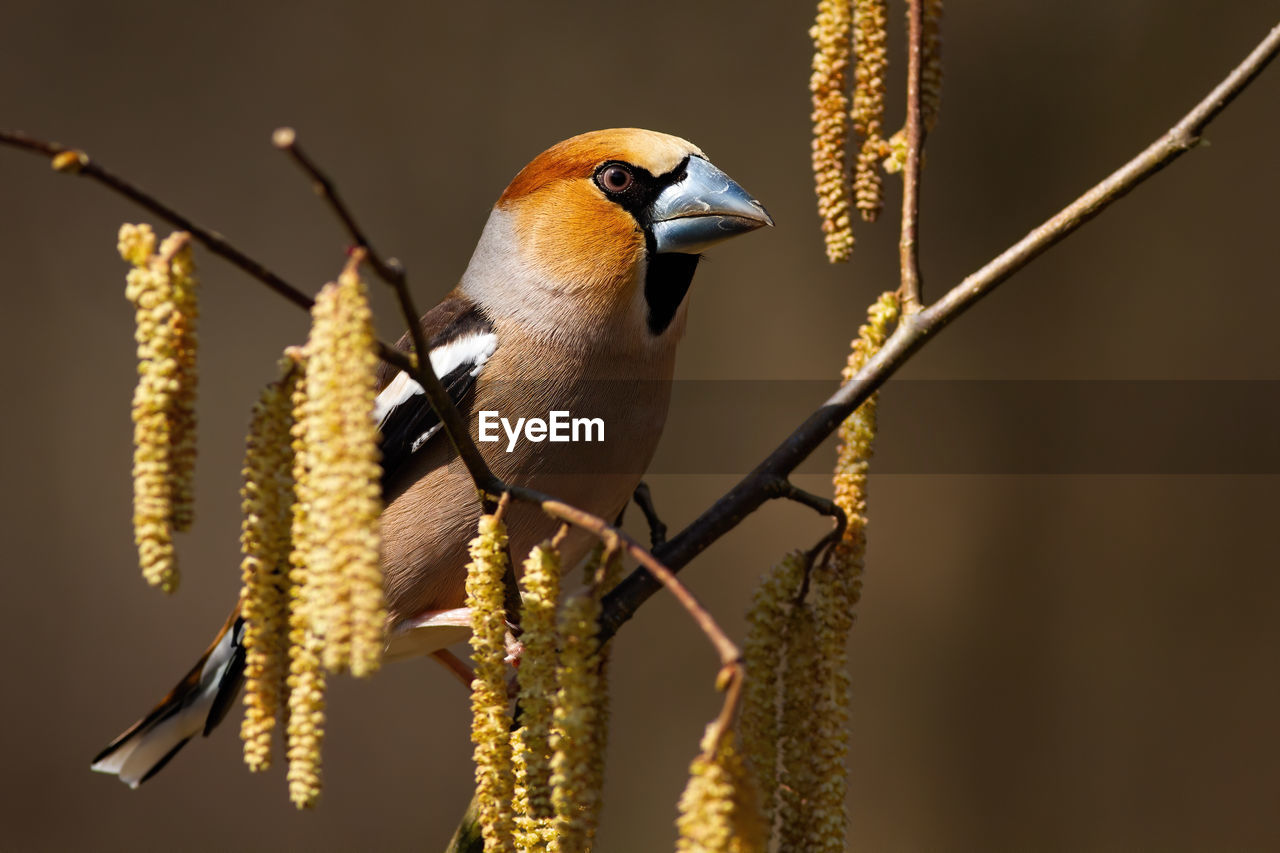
638, 194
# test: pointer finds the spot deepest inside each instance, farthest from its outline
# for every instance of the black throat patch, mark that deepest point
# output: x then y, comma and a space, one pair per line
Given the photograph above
665, 285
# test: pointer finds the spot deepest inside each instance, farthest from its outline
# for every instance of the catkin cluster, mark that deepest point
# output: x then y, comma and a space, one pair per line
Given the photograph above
763, 655
718, 809
538, 685
857, 31
339, 446
538, 788
931, 65
870, 39
895, 150
306, 681
312, 600
831, 34
267, 511
491, 717
796, 697
835, 586
856, 435
575, 792
163, 289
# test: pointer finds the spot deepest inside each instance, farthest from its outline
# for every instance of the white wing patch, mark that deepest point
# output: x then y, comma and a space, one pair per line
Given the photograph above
474, 349
398, 390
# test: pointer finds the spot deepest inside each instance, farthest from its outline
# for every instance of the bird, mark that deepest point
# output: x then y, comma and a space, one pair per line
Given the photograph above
574, 301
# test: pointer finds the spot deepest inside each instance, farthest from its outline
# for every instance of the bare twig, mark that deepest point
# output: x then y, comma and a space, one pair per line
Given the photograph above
729, 679
74, 161
613, 538
914, 330
79, 163
908, 243
511, 600
488, 486
286, 139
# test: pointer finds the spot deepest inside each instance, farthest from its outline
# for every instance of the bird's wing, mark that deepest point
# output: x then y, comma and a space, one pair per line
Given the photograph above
462, 340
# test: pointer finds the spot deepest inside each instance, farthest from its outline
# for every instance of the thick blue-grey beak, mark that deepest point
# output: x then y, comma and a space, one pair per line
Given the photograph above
701, 209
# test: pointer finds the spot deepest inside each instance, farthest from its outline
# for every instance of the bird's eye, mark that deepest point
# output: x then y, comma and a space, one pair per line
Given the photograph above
614, 179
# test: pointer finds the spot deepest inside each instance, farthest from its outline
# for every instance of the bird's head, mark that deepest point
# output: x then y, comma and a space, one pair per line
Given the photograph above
603, 232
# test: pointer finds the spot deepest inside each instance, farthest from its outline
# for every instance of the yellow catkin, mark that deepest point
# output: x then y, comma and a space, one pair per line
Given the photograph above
537, 673
858, 430
870, 38
531, 833
831, 34
175, 254
601, 577
306, 681
829, 714
798, 782
491, 716
762, 655
307, 686
162, 288
575, 738
931, 67
835, 586
894, 151
266, 504
341, 444
718, 811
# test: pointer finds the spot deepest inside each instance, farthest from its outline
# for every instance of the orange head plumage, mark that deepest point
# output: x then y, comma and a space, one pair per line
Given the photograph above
602, 233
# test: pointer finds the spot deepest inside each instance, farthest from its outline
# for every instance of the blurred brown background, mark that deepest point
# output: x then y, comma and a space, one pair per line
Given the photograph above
1040, 662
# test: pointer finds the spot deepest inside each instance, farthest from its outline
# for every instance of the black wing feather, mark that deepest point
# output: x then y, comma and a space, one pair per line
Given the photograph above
408, 426
231, 682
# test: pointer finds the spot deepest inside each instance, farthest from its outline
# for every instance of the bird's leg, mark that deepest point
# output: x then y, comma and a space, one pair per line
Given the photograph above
657, 530
456, 665
781, 487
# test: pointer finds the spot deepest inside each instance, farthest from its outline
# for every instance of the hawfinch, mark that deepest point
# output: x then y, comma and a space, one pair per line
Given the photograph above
574, 301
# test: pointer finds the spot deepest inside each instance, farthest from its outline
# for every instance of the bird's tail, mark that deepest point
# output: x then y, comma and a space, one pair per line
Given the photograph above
196, 705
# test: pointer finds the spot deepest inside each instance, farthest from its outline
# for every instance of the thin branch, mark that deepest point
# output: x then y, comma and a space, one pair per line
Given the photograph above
908, 243
73, 161
76, 162
512, 603
915, 330
488, 486
286, 139
613, 538
730, 681
731, 674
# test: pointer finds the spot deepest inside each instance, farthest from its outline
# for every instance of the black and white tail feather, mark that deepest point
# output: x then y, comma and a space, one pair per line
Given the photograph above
462, 340
194, 706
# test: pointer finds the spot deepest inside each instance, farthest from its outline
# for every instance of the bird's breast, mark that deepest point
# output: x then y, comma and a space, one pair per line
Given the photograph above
582, 429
